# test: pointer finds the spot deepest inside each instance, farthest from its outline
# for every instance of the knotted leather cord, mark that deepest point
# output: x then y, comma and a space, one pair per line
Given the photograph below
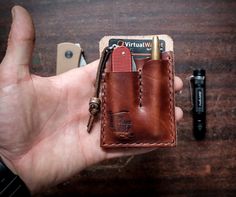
95, 102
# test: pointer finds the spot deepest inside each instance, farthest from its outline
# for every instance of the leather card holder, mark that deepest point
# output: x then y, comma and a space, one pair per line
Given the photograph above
138, 108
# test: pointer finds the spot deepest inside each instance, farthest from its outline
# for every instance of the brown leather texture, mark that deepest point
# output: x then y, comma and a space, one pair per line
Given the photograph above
138, 108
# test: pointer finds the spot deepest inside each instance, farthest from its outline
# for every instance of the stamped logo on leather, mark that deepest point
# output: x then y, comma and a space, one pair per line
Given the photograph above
120, 124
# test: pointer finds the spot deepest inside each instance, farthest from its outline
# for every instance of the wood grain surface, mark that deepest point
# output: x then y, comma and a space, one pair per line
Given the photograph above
204, 34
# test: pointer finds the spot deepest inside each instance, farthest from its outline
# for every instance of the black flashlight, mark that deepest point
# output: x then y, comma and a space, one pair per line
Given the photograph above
198, 82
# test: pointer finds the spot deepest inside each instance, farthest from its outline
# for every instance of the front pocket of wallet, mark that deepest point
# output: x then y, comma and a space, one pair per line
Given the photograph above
119, 100
137, 107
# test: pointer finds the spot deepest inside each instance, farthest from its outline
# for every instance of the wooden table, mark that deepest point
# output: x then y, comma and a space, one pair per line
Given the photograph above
204, 33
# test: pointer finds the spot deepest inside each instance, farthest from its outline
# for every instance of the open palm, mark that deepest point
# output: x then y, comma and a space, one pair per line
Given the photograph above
43, 120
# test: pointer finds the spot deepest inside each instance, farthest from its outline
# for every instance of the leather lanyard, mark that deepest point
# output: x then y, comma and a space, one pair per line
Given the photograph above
95, 102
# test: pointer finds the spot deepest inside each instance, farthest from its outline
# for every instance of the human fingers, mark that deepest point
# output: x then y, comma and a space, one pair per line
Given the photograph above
178, 83
178, 113
91, 70
178, 87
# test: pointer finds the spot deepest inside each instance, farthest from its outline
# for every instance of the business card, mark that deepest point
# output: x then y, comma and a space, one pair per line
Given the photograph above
138, 48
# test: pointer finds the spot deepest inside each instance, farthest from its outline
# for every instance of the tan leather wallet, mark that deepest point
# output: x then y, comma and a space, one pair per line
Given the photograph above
138, 107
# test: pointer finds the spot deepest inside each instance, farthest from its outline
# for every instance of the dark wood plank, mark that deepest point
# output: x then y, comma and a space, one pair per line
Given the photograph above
204, 33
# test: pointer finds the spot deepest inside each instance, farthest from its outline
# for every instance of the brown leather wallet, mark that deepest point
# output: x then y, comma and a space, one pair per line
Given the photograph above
138, 108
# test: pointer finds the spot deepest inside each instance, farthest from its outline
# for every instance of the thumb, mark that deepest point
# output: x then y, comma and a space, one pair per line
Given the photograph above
20, 44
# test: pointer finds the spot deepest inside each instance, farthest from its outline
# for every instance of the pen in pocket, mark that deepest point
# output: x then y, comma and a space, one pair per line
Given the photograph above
155, 48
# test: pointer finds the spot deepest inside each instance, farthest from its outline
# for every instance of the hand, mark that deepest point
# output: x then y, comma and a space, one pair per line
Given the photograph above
43, 120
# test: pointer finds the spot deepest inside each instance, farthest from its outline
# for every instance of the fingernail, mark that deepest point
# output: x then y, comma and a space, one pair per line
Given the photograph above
13, 12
